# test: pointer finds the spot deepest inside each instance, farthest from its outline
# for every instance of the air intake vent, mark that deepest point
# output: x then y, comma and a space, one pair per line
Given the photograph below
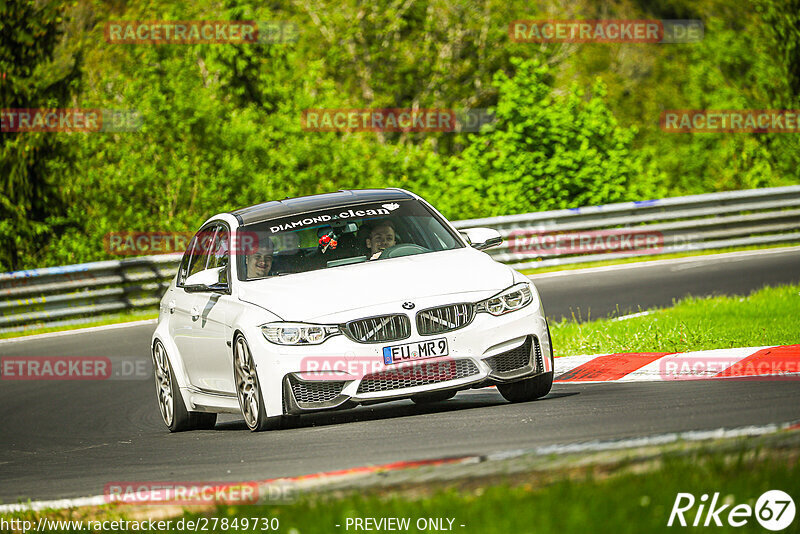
517, 358
310, 393
418, 375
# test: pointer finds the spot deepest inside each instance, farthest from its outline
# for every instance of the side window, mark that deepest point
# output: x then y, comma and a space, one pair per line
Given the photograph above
201, 246
220, 252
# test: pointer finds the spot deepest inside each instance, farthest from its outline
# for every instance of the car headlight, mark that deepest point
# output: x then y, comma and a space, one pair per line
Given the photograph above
514, 298
298, 333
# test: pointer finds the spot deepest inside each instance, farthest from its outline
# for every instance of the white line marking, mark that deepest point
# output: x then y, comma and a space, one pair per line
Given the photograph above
79, 331
662, 439
55, 504
632, 315
568, 363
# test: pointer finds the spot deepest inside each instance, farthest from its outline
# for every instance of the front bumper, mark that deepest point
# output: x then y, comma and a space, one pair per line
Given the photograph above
490, 350
523, 358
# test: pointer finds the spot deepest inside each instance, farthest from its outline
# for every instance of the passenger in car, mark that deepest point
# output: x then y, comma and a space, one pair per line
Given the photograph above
259, 261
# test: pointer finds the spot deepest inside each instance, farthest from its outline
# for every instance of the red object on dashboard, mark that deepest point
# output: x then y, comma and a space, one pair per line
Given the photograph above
328, 241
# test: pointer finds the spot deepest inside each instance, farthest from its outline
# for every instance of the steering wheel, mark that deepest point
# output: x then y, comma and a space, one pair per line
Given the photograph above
403, 249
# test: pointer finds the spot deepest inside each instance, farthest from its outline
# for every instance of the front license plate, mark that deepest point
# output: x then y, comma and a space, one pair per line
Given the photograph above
430, 348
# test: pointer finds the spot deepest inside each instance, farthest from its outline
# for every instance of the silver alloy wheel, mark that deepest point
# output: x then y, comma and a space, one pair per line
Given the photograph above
163, 383
246, 383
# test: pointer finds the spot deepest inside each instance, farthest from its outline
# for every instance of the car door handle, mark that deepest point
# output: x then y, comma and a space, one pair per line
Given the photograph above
195, 313
171, 306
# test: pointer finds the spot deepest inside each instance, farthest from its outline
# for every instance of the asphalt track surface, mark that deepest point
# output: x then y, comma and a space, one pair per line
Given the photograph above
70, 439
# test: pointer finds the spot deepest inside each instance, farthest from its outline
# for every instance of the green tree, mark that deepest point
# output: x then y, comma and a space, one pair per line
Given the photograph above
546, 151
36, 73
780, 33
220, 129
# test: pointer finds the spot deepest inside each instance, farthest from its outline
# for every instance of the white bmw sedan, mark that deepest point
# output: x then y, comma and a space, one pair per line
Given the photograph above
330, 301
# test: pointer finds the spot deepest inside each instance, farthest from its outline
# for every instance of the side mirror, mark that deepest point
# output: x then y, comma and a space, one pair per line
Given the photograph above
207, 280
482, 238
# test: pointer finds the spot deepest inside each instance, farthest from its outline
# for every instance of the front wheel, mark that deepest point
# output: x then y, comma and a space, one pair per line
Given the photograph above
527, 390
531, 388
248, 389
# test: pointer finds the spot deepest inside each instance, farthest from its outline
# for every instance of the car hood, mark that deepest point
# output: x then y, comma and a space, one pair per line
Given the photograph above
312, 295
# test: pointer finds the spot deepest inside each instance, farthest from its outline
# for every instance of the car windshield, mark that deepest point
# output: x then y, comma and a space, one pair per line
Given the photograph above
340, 236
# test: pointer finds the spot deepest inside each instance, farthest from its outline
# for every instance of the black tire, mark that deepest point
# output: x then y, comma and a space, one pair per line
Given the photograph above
170, 401
248, 390
531, 388
436, 396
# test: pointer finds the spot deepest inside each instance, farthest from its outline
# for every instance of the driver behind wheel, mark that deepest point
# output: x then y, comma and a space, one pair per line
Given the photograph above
382, 235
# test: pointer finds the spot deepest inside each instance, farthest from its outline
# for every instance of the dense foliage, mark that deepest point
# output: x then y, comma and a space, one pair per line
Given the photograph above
576, 124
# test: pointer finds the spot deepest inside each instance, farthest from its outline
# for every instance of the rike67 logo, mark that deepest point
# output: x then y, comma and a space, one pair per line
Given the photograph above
774, 510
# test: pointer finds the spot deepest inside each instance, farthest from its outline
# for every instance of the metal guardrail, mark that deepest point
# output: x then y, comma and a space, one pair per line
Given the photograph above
68, 294
691, 223
57, 295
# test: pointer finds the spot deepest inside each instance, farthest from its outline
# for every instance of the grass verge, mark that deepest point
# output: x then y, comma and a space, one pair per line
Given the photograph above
769, 316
